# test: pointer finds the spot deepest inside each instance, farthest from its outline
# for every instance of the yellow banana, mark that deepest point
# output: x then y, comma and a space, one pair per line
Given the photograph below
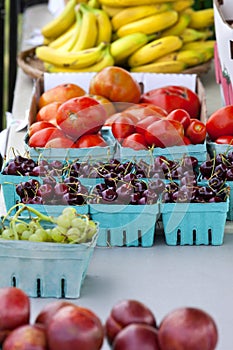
60, 23
181, 5
134, 13
189, 57
105, 60
178, 27
63, 38
155, 49
123, 47
202, 18
199, 44
191, 34
161, 67
94, 3
126, 3
88, 31
150, 24
104, 26
111, 10
69, 45
76, 60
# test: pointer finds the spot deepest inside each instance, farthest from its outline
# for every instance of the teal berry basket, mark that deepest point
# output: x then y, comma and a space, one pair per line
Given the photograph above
46, 270
230, 211
125, 225
194, 223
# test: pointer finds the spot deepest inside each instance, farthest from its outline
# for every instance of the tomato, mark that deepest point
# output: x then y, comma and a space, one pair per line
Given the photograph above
48, 113
93, 140
60, 142
149, 106
181, 115
41, 137
122, 127
172, 97
186, 141
164, 133
116, 84
220, 123
136, 141
143, 124
80, 116
196, 131
60, 93
39, 126
140, 111
226, 139
108, 105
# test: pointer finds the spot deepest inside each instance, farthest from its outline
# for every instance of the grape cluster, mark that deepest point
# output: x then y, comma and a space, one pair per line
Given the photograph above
69, 227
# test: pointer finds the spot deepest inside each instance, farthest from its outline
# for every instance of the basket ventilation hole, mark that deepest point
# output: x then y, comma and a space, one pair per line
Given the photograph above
38, 287
124, 237
139, 237
109, 237
178, 236
194, 236
63, 284
210, 235
13, 281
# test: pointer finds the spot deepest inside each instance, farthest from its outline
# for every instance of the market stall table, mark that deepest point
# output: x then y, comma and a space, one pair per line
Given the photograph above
164, 277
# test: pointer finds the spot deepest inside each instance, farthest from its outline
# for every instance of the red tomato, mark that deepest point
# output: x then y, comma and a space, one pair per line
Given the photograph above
196, 131
135, 141
220, 123
186, 140
181, 115
91, 140
116, 84
228, 139
81, 116
39, 126
41, 137
60, 142
172, 97
164, 133
161, 111
122, 127
143, 124
48, 113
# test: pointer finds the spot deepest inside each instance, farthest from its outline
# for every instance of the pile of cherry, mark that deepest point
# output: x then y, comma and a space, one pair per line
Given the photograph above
129, 182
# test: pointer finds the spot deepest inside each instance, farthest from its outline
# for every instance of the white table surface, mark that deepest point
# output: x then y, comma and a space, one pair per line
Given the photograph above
162, 276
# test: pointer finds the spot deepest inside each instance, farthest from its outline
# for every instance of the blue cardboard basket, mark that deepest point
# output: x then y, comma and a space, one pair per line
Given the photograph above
125, 225
230, 211
194, 223
49, 270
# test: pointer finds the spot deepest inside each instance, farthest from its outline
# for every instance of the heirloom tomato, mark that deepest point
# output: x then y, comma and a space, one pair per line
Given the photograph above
116, 84
181, 115
80, 116
39, 126
172, 97
48, 113
41, 137
136, 141
122, 127
60, 142
91, 140
143, 124
196, 131
220, 123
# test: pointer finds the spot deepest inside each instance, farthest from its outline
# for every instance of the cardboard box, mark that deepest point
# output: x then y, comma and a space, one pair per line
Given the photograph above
223, 20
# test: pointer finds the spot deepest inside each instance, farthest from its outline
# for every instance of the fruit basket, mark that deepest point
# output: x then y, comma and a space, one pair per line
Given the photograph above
194, 223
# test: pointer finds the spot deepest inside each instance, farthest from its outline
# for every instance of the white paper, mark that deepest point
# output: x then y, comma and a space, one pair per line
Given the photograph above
56, 6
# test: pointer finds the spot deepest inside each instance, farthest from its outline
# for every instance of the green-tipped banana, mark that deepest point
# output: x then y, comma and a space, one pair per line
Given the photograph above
123, 47
161, 67
134, 13
190, 34
200, 44
179, 26
202, 18
155, 49
94, 4
104, 26
76, 60
150, 24
181, 5
60, 23
189, 57
125, 3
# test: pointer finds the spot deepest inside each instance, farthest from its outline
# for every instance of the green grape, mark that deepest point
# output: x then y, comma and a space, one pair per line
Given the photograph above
7, 233
79, 223
42, 233
92, 229
21, 227
35, 238
74, 235
25, 235
58, 234
71, 212
33, 226
64, 220
49, 234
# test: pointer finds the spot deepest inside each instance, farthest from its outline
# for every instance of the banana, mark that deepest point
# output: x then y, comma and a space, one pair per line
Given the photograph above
111, 10
76, 60
181, 5
199, 45
134, 13
104, 26
178, 27
150, 24
94, 3
191, 34
63, 38
161, 67
189, 57
155, 49
88, 29
105, 60
126, 3
123, 47
60, 23
202, 18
